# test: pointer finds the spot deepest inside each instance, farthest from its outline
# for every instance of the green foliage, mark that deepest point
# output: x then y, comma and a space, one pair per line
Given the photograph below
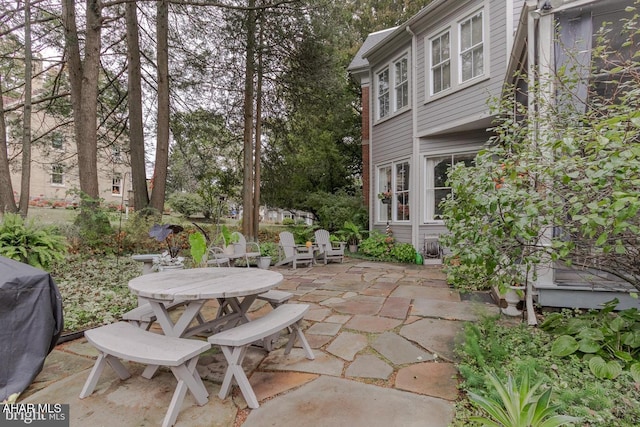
35, 245
377, 245
187, 204
491, 346
404, 252
198, 245
94, 289
94, 226
518, 406
567, 191
608, 342
268, 249
332, 211
288, 221
302, 233
350, 233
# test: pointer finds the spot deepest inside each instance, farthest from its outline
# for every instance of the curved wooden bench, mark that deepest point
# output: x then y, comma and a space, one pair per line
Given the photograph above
235, 341
123, 340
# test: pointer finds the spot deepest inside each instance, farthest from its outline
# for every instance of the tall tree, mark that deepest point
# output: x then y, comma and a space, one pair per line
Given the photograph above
26, 119
247, 181
83, 77
162, 142
136, 126
7, 202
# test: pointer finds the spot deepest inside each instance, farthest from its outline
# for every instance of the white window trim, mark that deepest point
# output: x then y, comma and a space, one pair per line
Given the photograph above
390, 67
58, 184
454, 55
429, 43
427, 209
378, 203
473, 47
117, 176
61, 147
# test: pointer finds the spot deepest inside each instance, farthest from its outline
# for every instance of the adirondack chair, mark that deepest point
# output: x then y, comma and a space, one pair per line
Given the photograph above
328, 250
293, 253
245, 249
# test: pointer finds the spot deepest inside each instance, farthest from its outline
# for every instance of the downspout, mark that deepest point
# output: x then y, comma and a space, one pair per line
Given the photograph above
415, 198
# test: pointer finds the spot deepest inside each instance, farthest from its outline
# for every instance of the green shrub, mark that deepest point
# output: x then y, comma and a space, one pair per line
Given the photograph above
187, 204
377, 245
28, 243
288, 221
404, 252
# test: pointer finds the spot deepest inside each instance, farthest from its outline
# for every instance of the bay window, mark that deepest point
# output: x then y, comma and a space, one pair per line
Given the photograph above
440, 63
471, 47
393, 189
392, 88
437, 169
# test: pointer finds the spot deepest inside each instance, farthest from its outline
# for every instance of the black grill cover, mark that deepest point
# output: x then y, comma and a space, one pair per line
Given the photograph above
30, 323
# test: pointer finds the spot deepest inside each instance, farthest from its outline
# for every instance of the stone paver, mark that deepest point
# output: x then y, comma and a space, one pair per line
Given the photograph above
324, 329
339, 402
358, 305
373, 324
338, 318
432, 379
347, 345
428, 293
369, 366
470, 311
268, 384
324, 363
435, 335
396, 307
398, 350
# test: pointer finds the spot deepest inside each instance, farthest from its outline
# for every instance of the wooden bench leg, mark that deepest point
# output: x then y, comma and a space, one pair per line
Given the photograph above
235, 356
188, 379
297, 332
98, 367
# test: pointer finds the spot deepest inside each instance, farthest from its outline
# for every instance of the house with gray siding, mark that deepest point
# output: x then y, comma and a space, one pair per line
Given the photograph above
427, 87
425, 91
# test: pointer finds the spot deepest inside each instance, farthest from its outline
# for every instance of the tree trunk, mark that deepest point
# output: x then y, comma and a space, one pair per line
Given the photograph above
258, 143
26, 119
136, 127
162, 144
7, 202
83, 78
247, 182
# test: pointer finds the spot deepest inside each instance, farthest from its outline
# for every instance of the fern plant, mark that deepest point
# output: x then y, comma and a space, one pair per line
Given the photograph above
518, 406
34, 245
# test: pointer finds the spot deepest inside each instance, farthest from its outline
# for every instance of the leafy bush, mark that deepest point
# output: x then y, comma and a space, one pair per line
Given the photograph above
377, 245
31, 244
404, 252
94, 226
187, 204
333, 210
516, 350
607, 342
288, 221
268, 249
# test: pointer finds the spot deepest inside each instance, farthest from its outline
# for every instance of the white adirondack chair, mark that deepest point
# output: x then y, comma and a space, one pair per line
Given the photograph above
293, 253
328, 250
245, 249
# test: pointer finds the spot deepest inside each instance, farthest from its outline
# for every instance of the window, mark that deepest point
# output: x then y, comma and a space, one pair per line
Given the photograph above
392, 86
471, 47
383, 93
57, 141
401, 83
393, 192
57, 174
116, 184
437, 169
440, 63
117, 154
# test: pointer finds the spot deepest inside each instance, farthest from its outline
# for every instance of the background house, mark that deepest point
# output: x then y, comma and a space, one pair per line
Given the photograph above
425, 91
54, 170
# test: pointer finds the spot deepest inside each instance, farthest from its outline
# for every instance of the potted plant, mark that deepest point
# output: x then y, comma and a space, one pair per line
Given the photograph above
352, 234
385, 196
268, 250
168, 259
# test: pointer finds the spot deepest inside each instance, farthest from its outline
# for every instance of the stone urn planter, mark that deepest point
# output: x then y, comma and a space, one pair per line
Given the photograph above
513, 296
264, 262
